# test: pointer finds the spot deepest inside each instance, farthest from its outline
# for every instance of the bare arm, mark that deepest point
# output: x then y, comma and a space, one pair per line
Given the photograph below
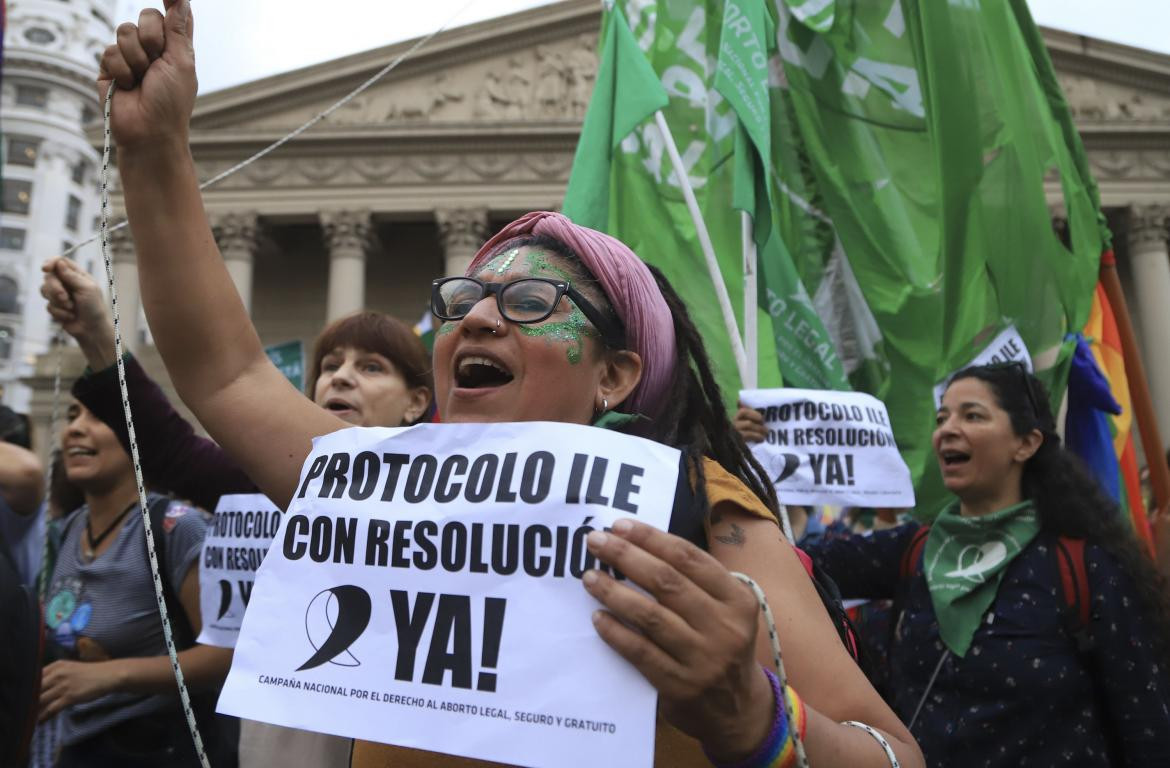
700, 645
819, 668
21, 478
199, 324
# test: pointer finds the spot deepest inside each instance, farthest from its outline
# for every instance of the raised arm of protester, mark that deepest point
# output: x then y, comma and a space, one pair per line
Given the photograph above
174, 458
152, 66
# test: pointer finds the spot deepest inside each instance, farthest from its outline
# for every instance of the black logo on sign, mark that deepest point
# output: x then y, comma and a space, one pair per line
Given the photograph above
225, 598
335, 618
791, 464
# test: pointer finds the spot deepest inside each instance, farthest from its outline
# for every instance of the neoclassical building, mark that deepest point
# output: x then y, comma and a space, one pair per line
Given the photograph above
50, 195
402, 184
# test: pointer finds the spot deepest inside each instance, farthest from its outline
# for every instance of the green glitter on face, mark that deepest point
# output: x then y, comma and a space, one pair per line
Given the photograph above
540, 265
446, 327
571, 331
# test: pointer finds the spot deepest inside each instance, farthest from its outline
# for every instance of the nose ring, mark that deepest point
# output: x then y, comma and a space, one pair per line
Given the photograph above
496, 330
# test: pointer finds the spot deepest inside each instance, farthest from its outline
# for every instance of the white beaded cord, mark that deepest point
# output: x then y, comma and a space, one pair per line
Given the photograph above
152, 556
781, 675
310, 123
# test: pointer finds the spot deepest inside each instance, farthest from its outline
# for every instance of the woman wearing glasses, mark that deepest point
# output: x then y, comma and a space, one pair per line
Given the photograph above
1033, 631
571, 328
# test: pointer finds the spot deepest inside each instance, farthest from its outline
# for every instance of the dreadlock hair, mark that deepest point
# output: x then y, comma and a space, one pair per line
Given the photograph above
1069, 501
694, 419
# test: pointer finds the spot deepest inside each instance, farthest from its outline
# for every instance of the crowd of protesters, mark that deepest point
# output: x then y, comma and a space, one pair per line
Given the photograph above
1025, 625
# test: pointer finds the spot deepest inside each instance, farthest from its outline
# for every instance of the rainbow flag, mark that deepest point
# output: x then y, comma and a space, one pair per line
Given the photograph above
1111, 455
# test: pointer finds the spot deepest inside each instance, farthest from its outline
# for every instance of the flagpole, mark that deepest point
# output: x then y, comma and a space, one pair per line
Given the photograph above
751, 341
708, 249
1143, 411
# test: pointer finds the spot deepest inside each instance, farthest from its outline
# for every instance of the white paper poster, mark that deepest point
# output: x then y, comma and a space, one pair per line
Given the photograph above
237, 541
1006, 347
424, 590
827, 447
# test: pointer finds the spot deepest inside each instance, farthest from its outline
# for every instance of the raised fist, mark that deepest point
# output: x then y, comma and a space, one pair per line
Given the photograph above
152, 65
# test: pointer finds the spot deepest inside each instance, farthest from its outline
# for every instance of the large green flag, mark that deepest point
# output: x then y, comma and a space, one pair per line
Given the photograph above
645, 206
805, 352
625, 93
913, 141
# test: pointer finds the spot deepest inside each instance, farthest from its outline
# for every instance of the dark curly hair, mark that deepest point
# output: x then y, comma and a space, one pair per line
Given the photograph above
694, 419
1068, 500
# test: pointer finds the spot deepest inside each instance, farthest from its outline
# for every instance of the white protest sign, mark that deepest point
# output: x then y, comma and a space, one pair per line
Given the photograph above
1006, 347
828, 447
424, 590
236, 542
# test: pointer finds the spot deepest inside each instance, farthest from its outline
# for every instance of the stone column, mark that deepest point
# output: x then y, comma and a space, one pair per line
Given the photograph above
461, 232
238, 238
125, 262
1150, 259
348, 237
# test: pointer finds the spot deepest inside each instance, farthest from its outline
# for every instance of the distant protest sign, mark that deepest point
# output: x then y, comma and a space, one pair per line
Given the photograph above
828, 447
1006, 347
236, 542
424, 590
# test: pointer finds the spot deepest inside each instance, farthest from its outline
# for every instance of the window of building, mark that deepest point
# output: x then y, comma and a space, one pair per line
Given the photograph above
6, 338
73, 212
39, 36
22, 151
9, 295
11, 239
32, 96
17, 196
80, 169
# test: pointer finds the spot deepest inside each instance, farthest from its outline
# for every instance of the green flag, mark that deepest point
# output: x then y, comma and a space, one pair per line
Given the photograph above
912, 144
804, 350
625, 93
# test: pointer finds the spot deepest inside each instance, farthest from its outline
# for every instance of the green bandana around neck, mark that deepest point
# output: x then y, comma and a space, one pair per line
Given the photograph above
964, 563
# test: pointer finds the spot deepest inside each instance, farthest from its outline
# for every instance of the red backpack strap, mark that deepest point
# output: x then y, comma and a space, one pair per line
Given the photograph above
1074, 587
913, 553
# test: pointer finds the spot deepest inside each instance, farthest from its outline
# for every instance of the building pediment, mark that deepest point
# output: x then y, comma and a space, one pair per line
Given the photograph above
533, 66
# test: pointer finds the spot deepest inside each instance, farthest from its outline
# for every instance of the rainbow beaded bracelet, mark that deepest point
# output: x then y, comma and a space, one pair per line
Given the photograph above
779, 749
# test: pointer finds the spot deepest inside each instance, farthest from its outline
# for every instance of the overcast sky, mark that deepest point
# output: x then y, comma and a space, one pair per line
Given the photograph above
241, 40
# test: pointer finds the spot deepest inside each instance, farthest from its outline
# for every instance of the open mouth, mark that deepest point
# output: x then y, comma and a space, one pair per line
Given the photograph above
79, 451
338, 406
476, 372
954, 458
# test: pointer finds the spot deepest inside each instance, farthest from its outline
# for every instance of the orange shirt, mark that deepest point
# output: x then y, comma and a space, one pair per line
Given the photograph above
672, 748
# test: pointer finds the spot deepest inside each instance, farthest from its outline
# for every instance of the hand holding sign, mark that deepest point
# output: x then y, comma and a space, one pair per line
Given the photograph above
696, 644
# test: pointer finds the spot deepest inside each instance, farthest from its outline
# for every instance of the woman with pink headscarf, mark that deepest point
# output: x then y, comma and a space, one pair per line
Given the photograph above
552, 322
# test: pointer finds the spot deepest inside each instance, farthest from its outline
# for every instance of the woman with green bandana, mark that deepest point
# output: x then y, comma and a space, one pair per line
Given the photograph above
991, 664
551, 322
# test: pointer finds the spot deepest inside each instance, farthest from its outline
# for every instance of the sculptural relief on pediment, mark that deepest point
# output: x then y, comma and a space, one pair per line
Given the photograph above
1094, 99
549, 81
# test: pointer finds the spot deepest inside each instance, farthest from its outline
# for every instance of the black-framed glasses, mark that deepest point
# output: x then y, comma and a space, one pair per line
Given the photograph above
524, 301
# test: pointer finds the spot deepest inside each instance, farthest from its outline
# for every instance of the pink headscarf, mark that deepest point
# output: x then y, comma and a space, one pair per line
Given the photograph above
628, 285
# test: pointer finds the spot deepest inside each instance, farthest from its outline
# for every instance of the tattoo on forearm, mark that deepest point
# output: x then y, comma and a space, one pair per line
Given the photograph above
736, 538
